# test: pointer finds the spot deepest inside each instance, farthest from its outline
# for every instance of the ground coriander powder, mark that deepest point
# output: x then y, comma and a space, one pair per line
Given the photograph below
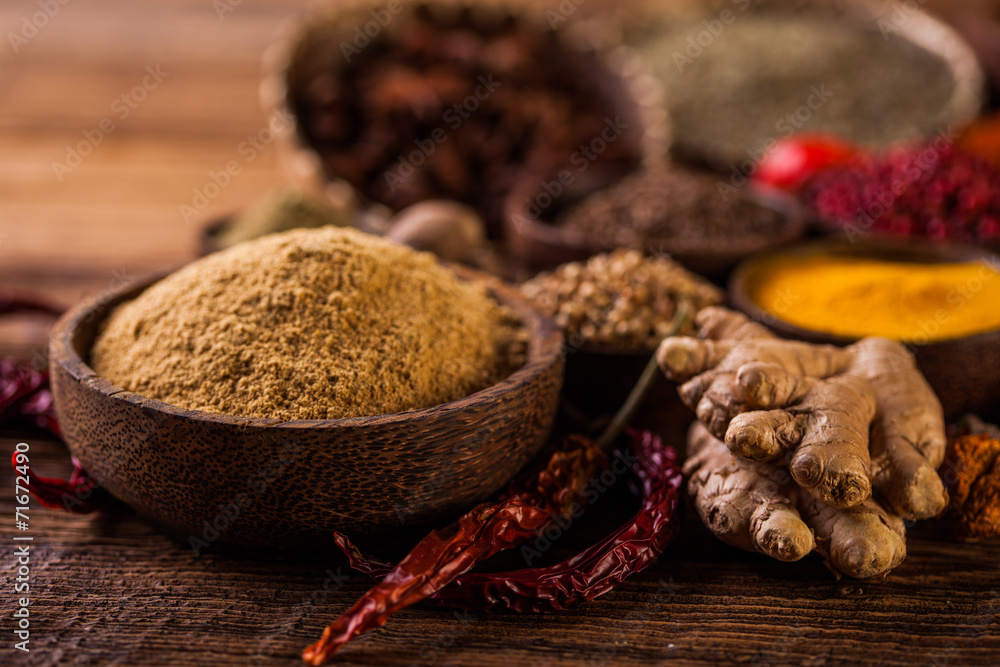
309, 324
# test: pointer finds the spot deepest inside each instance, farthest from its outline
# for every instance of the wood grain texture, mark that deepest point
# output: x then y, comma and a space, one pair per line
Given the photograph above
111, 590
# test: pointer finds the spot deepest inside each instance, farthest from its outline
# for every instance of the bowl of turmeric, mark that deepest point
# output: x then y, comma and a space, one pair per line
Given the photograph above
305, 382
941, 300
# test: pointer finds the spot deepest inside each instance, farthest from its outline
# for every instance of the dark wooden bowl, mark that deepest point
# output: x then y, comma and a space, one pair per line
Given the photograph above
312, 44
287, 485
540, 244
964, 372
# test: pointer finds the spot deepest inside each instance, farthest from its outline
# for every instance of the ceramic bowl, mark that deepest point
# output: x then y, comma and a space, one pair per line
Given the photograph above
208, 478
964, 372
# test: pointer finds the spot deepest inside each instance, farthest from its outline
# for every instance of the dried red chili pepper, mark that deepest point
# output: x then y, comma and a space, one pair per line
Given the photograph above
25, 394
587, 575
79, 494
10, 304
24, 391
489, 528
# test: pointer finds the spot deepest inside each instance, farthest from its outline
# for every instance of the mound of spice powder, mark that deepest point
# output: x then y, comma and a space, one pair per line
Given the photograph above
676, 208
309, 324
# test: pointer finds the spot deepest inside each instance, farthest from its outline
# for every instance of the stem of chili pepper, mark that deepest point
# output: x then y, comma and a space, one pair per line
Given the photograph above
489, 528
641, 389
589, 574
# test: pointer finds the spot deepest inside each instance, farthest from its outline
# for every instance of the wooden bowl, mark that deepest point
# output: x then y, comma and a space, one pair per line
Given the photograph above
921, 31
964, 372
540, 244
207, 478
313, 44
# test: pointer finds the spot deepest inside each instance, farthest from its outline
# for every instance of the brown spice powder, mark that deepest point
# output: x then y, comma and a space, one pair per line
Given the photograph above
309, 324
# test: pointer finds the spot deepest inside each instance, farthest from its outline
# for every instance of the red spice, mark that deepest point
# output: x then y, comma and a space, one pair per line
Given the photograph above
487, 529
587, 575
930, 190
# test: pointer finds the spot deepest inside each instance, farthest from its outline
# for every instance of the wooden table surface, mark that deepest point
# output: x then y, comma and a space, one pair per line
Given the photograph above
107, 589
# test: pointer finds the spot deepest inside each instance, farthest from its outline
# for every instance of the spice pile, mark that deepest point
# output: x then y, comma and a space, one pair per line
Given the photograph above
856, 297
676, 208
971, 469
932, 190
775, 72
309, 324
621, 299
452, 105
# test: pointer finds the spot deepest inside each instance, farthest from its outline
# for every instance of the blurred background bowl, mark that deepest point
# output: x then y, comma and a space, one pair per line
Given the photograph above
312, 47
540, 244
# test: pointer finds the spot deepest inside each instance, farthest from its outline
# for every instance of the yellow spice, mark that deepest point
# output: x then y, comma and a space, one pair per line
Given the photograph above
866, 297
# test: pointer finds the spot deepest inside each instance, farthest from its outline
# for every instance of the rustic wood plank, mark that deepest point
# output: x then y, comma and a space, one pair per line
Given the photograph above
111, 590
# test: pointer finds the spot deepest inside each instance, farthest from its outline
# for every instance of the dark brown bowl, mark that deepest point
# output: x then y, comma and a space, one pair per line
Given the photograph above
964, 372
313, 44
540, 244
286, 485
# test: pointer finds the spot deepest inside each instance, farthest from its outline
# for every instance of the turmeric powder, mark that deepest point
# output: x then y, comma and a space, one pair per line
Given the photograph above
859, 297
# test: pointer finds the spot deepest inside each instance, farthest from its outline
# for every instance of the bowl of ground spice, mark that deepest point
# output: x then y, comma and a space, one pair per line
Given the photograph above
615, 309
694, 216
453, 99
305, 382
942, 301
740, 75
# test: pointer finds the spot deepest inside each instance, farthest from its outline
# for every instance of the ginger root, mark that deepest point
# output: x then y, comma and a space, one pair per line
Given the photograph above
858, 428
746, 504
756, 507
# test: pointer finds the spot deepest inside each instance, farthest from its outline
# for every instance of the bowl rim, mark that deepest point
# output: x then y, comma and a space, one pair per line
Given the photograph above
545, 349
742, 275
540, 229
